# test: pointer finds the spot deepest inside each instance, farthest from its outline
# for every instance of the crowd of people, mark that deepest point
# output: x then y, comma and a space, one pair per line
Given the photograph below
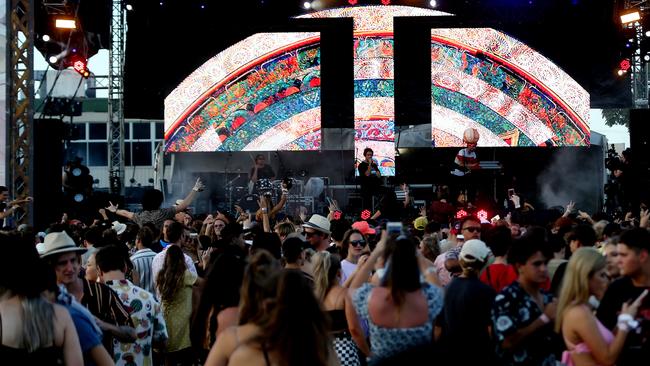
404, 286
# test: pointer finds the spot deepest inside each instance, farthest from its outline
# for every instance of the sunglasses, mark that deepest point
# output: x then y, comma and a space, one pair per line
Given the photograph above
308, 234
358, 243
473, 229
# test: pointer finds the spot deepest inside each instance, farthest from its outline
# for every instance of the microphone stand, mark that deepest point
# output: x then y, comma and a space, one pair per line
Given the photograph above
227, 185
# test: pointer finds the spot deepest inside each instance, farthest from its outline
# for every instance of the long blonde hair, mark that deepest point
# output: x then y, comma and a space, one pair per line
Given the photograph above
584, 264
326, 267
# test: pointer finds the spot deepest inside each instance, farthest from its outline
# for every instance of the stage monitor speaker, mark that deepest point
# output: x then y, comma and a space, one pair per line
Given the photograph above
47, 163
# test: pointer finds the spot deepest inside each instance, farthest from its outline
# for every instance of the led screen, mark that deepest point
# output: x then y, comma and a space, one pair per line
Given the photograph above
484, 79
374, 107
267, 102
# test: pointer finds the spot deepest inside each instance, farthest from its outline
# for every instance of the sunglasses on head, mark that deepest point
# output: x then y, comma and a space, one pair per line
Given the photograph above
358, 243
473, 229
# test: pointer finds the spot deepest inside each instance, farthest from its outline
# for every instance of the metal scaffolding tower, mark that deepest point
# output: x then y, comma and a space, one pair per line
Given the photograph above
639, 68
21, 101
116, 97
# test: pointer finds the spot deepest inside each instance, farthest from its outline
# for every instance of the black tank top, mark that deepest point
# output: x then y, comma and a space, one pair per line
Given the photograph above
338, 321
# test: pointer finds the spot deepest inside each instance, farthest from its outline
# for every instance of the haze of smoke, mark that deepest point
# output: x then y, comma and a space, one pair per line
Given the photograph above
566, 179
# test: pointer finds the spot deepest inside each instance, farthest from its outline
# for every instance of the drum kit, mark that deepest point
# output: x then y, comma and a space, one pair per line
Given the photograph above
247, 197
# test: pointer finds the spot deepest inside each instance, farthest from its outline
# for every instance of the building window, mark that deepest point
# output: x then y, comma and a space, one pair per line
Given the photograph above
141, 153
97, 131
97, 154
141, 131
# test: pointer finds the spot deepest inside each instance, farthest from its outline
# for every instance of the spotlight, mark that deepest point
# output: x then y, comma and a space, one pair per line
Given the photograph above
65, 23
129, 7
646, 57
647, 33
53, 59
46, 38
631, 40
433, 3
306, 5
620, 72
630, 17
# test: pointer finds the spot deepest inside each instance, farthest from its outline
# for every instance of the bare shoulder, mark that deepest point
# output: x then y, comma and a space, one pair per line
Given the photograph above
577, 313
61, 314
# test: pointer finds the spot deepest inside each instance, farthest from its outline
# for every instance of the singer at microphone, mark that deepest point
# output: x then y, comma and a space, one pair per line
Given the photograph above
369, 177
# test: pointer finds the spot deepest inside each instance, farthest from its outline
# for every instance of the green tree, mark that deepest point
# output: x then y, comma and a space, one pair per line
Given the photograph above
615, 117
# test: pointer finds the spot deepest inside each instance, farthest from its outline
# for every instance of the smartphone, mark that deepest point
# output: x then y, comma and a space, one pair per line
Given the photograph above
394, 228
194, 235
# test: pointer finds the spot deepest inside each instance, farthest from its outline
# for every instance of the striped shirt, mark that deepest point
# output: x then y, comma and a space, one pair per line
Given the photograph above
142, 260
103, 303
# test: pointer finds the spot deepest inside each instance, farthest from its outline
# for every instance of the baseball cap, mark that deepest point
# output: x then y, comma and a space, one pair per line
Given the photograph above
363, 227
420, 223
474, 250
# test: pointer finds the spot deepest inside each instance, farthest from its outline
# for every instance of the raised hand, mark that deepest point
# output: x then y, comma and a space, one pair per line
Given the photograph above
262, 202
569, 208
644, 218
198, 186
583, 215
112, 208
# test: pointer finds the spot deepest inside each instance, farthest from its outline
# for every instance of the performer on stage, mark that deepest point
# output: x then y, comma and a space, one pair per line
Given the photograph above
466, 160
369, 177
261, 170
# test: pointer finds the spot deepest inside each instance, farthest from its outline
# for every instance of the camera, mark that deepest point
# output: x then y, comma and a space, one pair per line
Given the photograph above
394, 228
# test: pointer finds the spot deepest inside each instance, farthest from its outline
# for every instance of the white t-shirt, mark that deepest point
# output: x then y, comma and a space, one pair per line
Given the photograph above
347, 268
159, 260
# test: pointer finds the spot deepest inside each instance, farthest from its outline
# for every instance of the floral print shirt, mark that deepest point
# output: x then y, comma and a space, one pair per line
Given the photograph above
515, 309
148, 320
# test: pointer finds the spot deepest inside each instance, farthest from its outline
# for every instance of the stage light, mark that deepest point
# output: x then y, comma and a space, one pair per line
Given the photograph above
482, 215
365, 214
306, 5
129, 7
630, 17
433, 3
647, 33
53, 59
46, 38
620, 72
646, 57
81, 66
461, 213
353, 2
385, 2
631, 40
65, 23
625, 64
